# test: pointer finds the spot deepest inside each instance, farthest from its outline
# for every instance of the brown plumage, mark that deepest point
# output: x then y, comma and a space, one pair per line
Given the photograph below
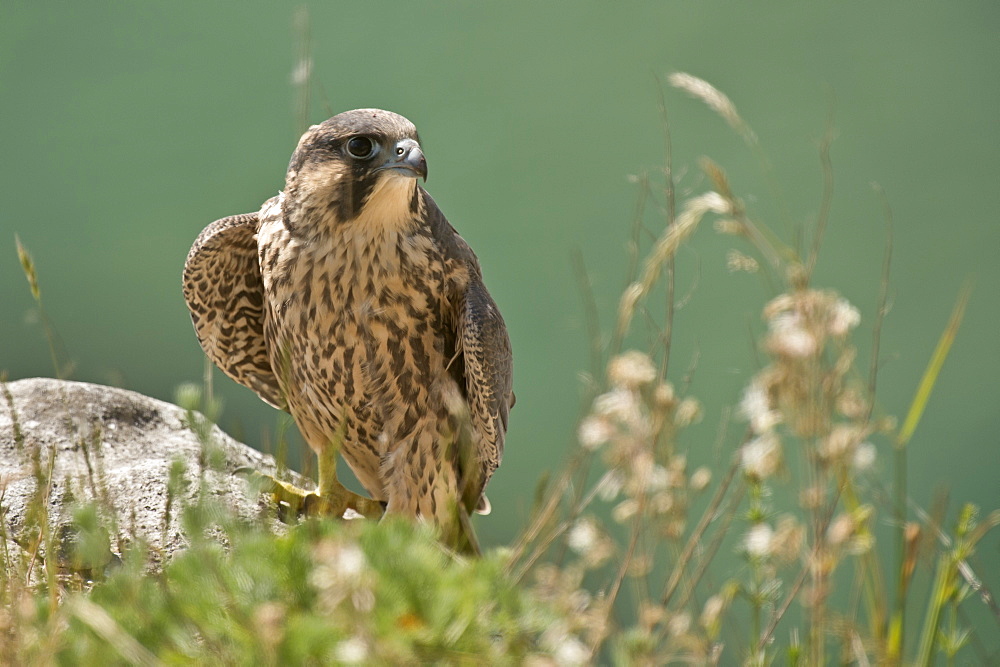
351, 302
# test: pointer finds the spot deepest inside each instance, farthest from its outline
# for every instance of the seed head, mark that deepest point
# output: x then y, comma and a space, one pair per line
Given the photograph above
582, 536
840, 444
631, 370
352, 651
789, 337
864, 456
664, 396
761, 457
624, 510
755, 406
758, 541
841, 528
688, 412
570, 652
843, 317
595, 431
619, 404
737, 261
712, 611
700, 479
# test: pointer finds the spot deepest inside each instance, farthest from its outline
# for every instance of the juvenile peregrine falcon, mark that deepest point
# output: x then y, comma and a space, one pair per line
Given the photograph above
350, 301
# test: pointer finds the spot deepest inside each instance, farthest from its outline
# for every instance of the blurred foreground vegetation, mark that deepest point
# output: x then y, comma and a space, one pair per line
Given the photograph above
619, 559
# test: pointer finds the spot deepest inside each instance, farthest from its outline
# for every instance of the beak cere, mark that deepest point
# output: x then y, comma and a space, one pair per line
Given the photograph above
407, 159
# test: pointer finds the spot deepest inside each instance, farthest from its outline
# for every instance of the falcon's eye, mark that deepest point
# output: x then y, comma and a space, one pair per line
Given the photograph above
361, 147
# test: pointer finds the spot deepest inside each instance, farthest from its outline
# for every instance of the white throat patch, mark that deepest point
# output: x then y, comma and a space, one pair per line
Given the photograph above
388, 205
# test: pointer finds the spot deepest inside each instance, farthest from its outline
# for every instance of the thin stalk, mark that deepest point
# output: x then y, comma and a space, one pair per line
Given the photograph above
695, 539
897, 634
591, 315
708, 555
800, 580
51, 338
883, 300
872, 580
727, 516
616, 585
826, 200
302, 74
670, 212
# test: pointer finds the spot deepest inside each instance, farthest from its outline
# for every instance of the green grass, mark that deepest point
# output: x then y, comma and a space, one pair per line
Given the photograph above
622, 558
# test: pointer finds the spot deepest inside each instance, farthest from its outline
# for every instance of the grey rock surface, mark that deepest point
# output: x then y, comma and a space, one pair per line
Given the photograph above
116, 446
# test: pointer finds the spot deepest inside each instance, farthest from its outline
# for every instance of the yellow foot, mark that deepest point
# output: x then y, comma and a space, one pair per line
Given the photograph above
333, 501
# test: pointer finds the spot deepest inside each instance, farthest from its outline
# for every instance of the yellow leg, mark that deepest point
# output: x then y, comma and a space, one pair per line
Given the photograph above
330, 499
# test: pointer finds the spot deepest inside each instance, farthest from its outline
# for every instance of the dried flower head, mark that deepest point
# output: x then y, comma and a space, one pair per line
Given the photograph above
657, 478
755, 406
582, 536
759, 540
841, 442
570, 652
679, 624
688, 412
737, 261
595, 431
789, 536
665, 247
587, 540
842, 318
351, 651
777, 305
840, 530
618, 404
761, 457
664, 396
851, 403
700, 479
864, 456
631, 370
716, 100
712, 611
662, 503
625, 510
789, 336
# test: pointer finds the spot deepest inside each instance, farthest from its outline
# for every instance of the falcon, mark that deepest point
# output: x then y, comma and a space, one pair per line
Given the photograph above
349, 301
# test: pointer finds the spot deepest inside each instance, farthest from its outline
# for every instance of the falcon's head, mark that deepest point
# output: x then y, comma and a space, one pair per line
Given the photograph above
358, 164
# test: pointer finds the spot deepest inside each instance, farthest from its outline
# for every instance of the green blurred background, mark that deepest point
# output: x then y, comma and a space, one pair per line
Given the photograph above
127, 127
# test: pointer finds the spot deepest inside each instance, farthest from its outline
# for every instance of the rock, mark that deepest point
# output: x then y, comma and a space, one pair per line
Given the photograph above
91, 442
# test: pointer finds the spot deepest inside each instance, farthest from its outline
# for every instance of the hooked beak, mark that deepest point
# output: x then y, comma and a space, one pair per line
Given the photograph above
406, 159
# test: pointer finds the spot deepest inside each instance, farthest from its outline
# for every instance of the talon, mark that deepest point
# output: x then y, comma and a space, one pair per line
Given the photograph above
330, 499
335, 501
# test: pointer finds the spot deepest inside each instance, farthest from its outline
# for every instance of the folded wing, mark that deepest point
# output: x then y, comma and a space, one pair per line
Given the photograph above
224, 292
